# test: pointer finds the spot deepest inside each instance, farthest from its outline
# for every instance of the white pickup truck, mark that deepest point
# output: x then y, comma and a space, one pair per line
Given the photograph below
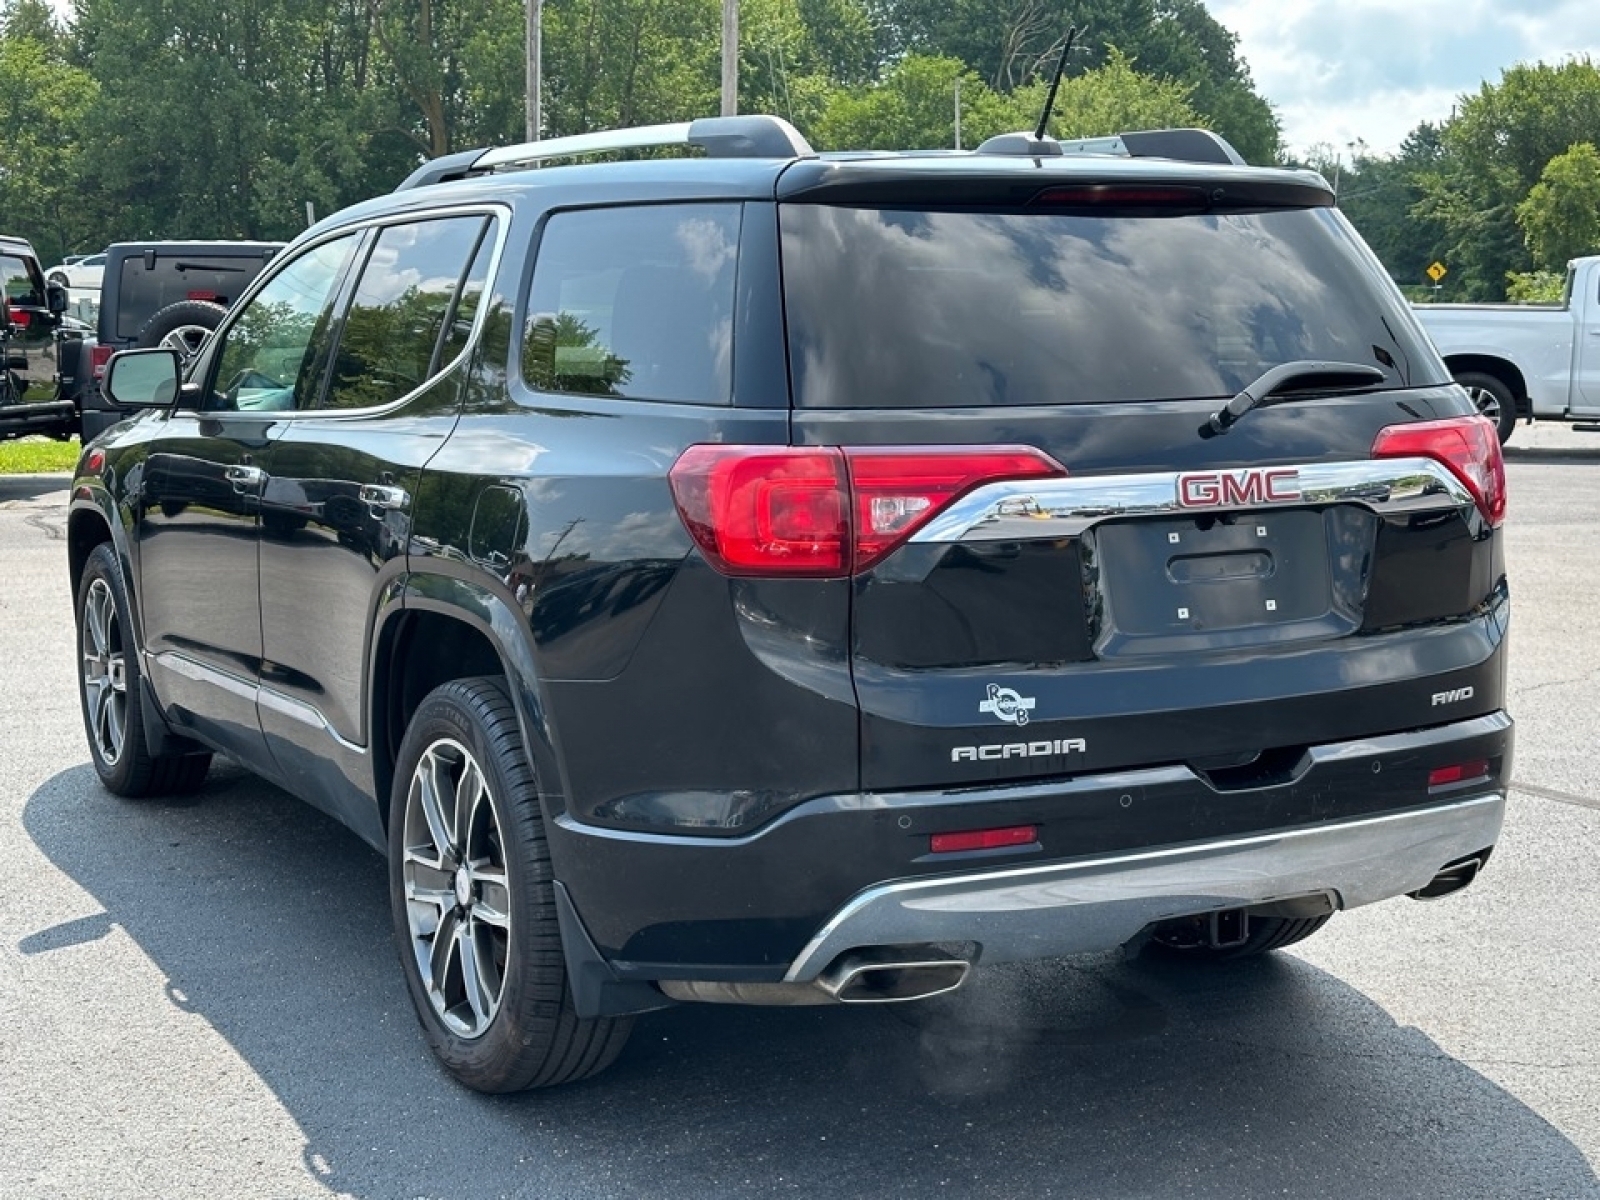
1541, 362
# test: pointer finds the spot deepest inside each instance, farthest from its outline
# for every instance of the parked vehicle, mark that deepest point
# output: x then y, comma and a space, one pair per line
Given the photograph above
39, 388
79, 273
1539, 362
780, 578
168, 293
153, 294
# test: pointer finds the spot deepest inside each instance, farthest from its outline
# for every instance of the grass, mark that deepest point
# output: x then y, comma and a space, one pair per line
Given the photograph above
38, 456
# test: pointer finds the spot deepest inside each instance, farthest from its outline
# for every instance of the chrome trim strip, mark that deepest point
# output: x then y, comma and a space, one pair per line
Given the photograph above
1099, 904
199, 672
1018, 510
298, 710
306, 714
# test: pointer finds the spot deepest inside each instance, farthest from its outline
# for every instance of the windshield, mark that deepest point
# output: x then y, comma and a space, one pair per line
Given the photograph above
896, 308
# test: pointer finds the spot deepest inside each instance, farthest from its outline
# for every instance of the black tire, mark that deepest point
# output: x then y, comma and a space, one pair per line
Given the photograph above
514, 1027
183, 327
110, 697
1493, 399
1180, 940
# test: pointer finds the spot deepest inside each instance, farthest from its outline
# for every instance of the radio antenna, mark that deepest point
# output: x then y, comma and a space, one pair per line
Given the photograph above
1050, 98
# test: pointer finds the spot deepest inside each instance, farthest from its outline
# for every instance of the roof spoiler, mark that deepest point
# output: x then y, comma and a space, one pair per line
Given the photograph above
720, 137
1183, 145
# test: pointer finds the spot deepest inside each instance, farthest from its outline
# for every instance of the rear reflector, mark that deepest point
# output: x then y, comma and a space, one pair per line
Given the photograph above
827, 511
983, 839
1468, 446
1459, 773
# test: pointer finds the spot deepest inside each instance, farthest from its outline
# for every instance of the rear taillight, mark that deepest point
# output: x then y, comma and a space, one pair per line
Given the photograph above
1468, 446
828, 511
99, 356
21, 318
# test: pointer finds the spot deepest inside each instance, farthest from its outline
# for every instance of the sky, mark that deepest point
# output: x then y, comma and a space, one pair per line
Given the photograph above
1343, 71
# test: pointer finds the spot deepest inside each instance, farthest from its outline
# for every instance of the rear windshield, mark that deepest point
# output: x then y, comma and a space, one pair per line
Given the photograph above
142, 292
893, 308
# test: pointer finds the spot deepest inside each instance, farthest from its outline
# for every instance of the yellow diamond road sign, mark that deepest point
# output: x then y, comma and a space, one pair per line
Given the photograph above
1437, 271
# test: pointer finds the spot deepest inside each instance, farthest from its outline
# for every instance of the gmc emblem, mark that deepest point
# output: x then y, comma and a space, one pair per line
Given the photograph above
1238, 489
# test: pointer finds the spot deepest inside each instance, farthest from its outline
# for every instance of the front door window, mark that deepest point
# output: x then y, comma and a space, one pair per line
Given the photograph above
271, 357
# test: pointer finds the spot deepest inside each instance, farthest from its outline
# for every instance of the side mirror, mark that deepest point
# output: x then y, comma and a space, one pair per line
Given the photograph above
143, 378
55, 297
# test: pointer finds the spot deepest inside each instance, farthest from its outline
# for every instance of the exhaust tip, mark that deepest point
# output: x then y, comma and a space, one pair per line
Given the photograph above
888, 976
1452, 877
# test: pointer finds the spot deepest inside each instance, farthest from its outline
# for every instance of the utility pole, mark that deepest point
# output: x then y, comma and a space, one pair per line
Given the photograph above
958, 112
730, 57
535, 66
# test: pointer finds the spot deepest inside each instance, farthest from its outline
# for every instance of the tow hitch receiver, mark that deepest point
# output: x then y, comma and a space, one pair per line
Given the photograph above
1227, 929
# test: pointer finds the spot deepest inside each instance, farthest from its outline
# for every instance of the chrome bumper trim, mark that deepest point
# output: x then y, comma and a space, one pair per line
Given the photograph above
1099, 904
1020, 510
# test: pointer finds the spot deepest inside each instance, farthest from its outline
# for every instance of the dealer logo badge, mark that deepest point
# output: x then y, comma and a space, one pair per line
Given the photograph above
1008, 705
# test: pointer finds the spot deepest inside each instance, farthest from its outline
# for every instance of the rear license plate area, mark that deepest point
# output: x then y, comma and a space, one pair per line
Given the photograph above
1220, 580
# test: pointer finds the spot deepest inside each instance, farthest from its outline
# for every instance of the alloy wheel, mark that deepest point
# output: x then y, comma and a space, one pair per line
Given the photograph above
458, 902
1486, 402
105, 673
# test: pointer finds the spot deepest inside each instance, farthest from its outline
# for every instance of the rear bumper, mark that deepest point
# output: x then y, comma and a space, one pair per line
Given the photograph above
1100, 903
1356, 822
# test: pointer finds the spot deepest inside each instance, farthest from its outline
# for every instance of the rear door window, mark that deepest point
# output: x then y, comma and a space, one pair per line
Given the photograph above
636, 302
919, 309
403, 316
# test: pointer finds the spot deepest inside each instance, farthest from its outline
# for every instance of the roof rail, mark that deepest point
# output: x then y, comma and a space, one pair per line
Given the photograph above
1185, 145
720, 137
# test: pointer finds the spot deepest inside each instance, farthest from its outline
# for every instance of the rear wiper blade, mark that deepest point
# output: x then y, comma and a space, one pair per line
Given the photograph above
1276, 384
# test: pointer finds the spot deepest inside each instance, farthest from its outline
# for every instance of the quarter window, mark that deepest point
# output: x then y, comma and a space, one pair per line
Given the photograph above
421, 281
636, 302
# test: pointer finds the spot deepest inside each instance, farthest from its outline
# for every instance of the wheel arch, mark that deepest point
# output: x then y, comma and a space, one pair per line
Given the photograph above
1500, 368
449, 628
87, 528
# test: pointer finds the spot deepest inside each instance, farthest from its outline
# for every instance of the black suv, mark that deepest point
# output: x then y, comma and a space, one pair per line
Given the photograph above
780, 578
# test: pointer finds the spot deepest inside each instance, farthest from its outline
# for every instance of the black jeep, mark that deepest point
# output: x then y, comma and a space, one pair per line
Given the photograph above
36, 395
164, 293
770, 577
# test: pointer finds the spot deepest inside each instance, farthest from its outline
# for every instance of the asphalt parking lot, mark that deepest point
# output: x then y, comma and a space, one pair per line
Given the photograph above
201, 998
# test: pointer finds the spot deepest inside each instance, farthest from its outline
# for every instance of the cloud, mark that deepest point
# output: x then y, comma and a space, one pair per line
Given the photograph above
1374, 69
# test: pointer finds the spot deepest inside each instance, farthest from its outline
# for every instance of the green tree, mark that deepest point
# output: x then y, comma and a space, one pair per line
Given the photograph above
458, 63
1380, 194
43, 104
612, 63
914, 107
1495, 151
1010, 42
1561, 216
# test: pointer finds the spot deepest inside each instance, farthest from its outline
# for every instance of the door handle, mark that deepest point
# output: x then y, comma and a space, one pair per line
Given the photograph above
383, 496
243, 477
